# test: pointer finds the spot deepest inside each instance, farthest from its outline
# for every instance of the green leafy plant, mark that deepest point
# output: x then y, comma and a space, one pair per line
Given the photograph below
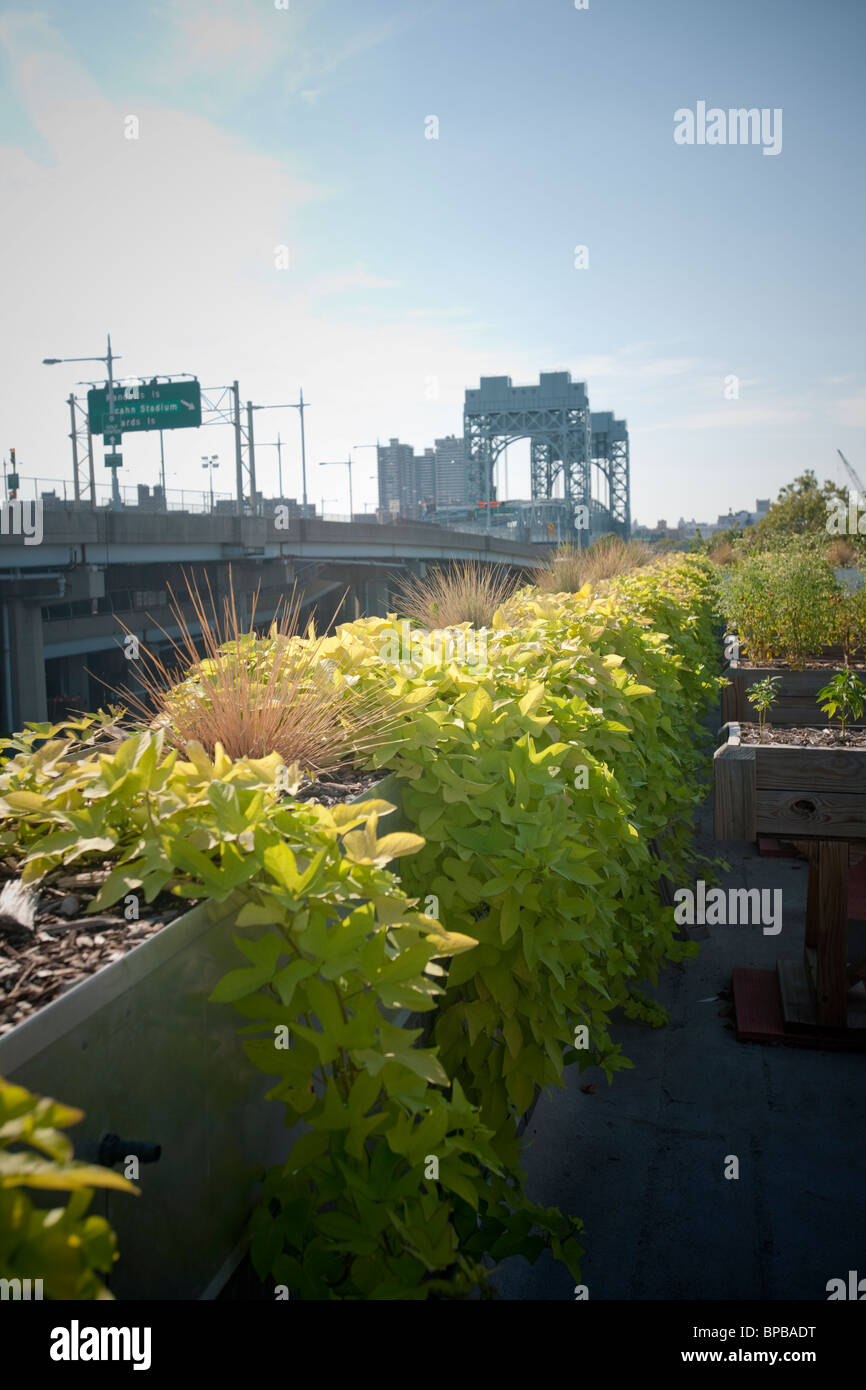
784, 604
843, 696
62, 1246
395, 1192
334, 941
762, 696
540, 786
547, 794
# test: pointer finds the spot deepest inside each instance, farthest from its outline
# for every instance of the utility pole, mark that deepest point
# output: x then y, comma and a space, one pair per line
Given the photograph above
301, 407
252, 453
162, 473
115, 486
344, 463
74, 437
239, 458
109, 359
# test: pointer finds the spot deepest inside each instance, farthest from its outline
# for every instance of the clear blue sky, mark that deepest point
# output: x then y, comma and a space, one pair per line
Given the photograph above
417, 265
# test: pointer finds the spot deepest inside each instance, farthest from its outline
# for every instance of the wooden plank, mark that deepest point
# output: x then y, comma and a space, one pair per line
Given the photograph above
831, 985
813, 902
804, 814
780, 766
734, 792
797, 996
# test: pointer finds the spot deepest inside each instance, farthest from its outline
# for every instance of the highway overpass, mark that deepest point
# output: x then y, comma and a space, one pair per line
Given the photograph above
63, 599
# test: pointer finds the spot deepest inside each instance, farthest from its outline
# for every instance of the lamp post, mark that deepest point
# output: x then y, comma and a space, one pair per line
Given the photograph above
109, 359
376, 474
323, 500
210, 462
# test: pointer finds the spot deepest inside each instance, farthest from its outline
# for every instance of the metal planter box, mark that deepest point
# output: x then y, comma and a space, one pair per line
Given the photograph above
140, 1049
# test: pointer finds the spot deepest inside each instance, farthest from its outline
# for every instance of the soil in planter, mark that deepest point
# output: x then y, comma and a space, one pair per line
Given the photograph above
804, 738
340, 786
778, 663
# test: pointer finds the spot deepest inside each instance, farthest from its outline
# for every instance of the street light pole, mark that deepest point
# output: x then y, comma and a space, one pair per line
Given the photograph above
376, 447
210, 462
109, 359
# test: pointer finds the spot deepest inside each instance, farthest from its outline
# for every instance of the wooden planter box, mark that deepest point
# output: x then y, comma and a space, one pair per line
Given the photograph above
797, 702
143, 1052
816, 797
797, 793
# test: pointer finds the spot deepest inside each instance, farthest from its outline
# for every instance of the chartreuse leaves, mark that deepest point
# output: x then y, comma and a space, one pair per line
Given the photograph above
61, 1246
534, 787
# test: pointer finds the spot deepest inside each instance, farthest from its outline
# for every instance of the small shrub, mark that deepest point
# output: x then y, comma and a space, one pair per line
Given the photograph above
723, 554
762, 696
843, 696
842, 554
783, 604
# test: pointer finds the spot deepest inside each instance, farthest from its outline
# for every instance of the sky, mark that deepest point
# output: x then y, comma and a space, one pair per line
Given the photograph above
282, 217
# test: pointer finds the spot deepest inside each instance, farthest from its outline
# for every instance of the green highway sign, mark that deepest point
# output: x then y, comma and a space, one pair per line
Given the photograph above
162, 405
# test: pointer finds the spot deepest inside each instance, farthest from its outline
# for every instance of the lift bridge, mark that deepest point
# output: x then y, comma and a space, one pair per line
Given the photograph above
576, 454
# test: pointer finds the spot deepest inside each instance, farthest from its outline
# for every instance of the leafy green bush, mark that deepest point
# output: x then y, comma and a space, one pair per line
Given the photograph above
550, 788
784, 604
343, 940
540, 785
62, 1246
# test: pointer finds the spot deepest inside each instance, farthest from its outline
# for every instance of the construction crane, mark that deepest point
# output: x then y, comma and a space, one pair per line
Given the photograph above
851, 474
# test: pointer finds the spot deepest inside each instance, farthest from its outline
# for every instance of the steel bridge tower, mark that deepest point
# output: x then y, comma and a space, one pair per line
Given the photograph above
556, 419
610, 457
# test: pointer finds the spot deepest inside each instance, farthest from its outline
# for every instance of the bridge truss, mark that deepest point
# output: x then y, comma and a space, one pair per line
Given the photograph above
575, 454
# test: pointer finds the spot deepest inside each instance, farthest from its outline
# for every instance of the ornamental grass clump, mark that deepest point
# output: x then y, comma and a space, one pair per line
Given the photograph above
255, 696
571, 566
468, 592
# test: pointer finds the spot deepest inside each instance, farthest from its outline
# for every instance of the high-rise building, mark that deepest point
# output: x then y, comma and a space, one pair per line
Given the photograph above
414, 485
450, 472
397, 479
425, 481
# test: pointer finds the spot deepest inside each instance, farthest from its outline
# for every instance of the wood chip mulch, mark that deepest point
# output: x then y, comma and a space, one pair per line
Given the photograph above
39, 964
804, 737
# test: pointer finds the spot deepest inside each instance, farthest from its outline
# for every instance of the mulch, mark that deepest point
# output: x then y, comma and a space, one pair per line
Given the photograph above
38, 965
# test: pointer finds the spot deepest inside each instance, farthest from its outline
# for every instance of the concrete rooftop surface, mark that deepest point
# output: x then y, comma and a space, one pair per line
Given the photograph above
642, 1161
